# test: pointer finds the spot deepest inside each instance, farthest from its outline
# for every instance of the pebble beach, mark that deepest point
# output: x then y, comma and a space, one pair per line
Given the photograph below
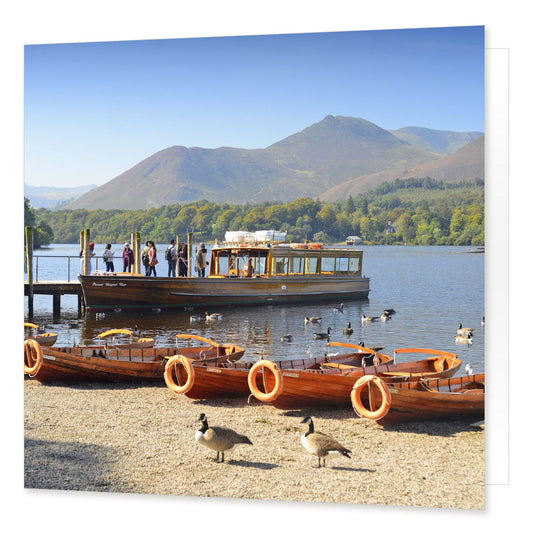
137, 438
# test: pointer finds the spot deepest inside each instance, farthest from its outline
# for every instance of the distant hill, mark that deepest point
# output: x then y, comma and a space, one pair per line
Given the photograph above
468, 163
325, 154
51, 197
444, 142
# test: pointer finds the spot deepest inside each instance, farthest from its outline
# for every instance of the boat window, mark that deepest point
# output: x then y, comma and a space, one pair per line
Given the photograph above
280, 265
311, 265
328, 265
347, 265
294, 265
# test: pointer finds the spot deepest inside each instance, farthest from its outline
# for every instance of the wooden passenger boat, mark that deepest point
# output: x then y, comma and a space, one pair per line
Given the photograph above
44, 339
258, 273
207, 380
295, 389
425, 399
78, 363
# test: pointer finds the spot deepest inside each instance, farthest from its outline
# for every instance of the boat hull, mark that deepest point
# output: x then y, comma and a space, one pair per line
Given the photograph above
231, 380
319, 388
81, 364
131, 292
456, 398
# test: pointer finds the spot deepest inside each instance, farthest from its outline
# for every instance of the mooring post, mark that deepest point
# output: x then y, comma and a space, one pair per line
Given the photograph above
189, 254
137, 253
29, 261
86, 259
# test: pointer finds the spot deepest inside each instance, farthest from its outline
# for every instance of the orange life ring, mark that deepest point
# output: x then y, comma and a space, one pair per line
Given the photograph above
278, 386
169, 367
360, 409
33, 353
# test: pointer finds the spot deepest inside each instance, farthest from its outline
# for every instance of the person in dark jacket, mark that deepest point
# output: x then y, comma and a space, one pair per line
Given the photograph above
127, 258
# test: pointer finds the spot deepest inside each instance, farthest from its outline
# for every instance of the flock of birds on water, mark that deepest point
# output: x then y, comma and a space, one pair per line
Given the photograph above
223, 439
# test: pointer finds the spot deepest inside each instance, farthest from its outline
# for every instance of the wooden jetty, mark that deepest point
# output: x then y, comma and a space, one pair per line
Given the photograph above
56, 289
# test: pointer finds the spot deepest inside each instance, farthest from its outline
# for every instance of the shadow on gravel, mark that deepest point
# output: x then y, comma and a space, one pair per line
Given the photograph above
66, 466
250, 464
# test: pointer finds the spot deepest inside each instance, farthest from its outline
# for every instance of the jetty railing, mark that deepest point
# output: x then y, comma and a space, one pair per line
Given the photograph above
70, 265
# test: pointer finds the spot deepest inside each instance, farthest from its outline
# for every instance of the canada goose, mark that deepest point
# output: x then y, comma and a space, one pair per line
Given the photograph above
348, 329
217, 438
390, 311
464, 331
313, 319
319, 444
286, 338
339, 309
385, 317
463, 339
212, 316
195, 318
469, 369
365, 318
483, 321
321, 336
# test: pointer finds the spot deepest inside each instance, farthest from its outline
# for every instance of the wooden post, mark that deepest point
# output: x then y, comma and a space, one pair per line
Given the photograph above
189, 254
56, 304
29, 261
137, 253
86, 241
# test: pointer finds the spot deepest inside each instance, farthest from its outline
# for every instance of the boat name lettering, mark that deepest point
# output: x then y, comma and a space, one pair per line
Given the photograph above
216, 370
290, 375
122, 284
97, 284
111, 284
283, 287
51, 357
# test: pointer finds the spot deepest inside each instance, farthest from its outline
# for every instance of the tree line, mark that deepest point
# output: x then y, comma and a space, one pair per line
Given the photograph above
412, 211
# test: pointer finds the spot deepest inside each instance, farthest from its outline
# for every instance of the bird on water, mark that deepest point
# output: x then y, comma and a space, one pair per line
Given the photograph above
217, 438
320, 444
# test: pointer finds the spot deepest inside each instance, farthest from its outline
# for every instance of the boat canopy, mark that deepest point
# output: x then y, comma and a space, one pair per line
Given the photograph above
284, 260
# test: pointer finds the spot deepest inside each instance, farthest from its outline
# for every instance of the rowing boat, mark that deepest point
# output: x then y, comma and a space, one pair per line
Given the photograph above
208, 380
296, 389
44, 339
79, 363
425, 399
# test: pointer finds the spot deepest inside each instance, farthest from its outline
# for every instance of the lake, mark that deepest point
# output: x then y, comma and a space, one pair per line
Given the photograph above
432, 289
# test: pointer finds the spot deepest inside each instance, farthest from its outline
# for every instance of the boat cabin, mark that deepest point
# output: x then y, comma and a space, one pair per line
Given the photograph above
269, 260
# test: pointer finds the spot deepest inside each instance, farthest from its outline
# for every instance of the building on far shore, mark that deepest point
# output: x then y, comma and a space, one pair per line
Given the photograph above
352, 240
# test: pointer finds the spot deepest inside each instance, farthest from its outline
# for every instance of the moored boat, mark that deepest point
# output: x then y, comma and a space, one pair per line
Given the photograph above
79, 363
425, 399
44, 339
247, 271
202, 380
295, 389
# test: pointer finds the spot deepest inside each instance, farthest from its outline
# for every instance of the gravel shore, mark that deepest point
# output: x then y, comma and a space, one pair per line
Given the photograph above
140, 439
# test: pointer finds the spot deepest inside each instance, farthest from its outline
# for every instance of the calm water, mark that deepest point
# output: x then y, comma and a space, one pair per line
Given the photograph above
431, 289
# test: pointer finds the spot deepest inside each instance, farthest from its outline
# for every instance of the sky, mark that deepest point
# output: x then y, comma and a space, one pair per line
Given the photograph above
94, 110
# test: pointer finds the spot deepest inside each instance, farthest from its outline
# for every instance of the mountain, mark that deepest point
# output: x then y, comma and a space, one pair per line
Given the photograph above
325, 154
51, 197
443, 142
468, 163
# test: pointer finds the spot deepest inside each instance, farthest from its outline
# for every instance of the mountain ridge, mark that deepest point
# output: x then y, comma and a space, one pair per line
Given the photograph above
308, 163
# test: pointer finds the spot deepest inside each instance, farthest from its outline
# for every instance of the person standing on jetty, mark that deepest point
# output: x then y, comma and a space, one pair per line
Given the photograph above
153, 258
145, 257
108, 259
201, 261
182, 260
171, 256
127, 258
92, 253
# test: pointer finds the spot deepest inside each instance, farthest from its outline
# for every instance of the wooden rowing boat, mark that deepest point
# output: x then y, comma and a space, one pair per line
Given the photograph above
298, 389
224, 380
44, 339
425, 399
79, 363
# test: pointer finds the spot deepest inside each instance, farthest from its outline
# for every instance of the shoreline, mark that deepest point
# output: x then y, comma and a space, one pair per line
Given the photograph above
138, 438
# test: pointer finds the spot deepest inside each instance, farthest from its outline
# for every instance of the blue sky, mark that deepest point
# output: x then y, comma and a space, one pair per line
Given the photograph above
94, 110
